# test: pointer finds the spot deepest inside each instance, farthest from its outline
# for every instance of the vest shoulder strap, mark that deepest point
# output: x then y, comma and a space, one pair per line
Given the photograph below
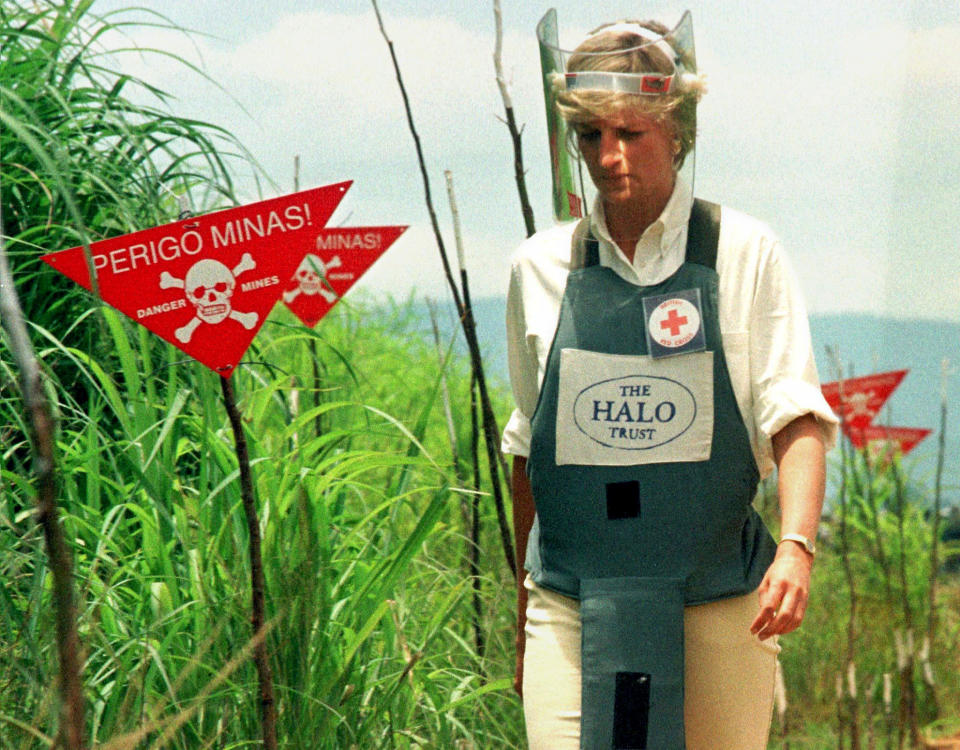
703, 238
584, 248
703, 233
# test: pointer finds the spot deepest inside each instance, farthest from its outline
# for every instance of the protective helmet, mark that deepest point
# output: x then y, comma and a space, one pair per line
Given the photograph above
570, 188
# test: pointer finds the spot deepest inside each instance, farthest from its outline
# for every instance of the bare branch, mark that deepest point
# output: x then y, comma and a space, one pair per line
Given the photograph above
490, 430
455, 213
41, 421
498, 56
445, 391
420, 158
519, 172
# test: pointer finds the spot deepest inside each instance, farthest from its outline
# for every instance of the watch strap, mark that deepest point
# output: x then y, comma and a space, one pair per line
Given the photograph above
800, 539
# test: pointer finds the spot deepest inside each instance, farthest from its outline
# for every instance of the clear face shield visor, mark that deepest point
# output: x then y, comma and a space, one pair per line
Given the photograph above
573, 192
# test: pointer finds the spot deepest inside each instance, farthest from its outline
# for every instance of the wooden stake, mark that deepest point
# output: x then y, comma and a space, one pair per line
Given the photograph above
258, 586
850, 719
471, 521
931, 635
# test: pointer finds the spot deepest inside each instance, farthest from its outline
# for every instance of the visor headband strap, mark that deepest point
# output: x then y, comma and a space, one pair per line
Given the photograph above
626, 83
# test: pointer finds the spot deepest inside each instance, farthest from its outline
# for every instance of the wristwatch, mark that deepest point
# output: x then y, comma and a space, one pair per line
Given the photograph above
807, 544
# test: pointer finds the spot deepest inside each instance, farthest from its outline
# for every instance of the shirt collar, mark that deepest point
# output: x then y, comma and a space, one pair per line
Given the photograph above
669, 226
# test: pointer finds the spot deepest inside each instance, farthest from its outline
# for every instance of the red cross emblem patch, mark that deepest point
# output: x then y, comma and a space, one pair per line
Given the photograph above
674, 323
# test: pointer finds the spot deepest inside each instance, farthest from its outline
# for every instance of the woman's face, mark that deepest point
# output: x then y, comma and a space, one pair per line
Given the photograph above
629, 157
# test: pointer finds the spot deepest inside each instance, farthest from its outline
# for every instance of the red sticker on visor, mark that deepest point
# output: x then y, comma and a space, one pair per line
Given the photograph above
656, 84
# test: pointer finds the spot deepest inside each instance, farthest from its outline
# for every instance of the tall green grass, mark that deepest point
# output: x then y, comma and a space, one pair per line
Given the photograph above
89, 151
371, 636
884, 528
369, 633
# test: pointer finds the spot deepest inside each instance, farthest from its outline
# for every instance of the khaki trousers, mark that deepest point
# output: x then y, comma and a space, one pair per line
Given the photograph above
728, 679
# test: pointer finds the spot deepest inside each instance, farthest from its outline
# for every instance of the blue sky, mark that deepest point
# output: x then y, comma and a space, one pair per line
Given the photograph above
834, 122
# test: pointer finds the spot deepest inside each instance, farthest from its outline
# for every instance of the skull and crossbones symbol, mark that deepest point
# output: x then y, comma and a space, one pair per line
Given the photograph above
310, 278
209, 286
858, 404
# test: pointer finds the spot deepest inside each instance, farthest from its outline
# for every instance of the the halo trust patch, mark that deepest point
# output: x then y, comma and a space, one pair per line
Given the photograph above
674, 323
627, 410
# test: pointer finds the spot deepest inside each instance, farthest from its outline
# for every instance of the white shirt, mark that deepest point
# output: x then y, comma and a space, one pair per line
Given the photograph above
763, 320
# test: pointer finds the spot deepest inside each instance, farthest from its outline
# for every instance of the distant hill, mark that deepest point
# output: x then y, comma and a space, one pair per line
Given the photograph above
866, 344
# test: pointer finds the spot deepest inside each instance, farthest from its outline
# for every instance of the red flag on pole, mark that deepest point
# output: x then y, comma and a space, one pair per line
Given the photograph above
207, 283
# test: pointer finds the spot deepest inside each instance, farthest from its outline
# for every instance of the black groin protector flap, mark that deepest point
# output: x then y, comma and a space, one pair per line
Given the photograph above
632, 667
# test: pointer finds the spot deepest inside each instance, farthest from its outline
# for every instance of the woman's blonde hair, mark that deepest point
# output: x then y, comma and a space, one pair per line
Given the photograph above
620, 51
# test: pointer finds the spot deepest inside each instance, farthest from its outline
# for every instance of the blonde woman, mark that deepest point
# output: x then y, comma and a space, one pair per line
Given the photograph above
661, 363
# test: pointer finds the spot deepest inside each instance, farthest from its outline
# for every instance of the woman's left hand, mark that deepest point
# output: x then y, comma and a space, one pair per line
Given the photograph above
801, 476
784, 591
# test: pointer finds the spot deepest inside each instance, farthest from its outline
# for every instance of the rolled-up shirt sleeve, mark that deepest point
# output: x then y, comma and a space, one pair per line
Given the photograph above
522, 361
783, 372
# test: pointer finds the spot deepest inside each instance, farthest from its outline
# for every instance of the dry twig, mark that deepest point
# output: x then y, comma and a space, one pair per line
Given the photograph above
516, 134
490, 430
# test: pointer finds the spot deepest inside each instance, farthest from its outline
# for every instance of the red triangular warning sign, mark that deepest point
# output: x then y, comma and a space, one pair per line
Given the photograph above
338, 259
863, 397
878, 439
207, 283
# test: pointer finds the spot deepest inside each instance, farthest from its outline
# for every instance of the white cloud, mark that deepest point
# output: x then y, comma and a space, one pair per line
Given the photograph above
322, 85
333, 73
891, 58
798, 133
